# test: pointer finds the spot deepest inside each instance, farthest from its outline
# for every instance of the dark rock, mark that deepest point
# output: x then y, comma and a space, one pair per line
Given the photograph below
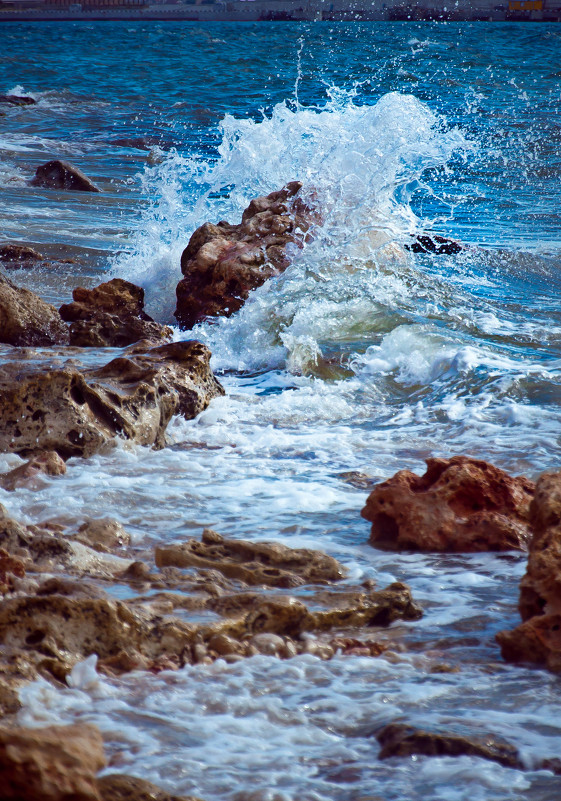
435, 244
460, 504
17, 100
58, 174
78, 412
111, 315
25, 319
223, 263
16, 256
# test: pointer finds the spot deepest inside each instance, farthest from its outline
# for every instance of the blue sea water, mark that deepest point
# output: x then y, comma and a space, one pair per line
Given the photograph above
361, 357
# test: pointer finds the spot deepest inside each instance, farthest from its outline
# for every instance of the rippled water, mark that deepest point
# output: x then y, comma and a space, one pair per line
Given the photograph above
362, 356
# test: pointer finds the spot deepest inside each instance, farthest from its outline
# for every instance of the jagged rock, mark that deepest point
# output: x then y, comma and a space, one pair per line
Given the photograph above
9, 566
105, 534
14, 256
460, 504
13, 536
28, 475
435, 244
401, 740
538, 639
17, 100
55, 763
222, 263
112, 314
118, 787
77, 412
25, 319
255, 563
59, 174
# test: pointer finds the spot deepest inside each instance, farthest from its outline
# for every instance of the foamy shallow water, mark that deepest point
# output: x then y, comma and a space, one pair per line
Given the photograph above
361, 357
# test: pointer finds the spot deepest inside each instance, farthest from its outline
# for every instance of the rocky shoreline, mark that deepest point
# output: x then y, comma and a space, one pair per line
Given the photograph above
57, 608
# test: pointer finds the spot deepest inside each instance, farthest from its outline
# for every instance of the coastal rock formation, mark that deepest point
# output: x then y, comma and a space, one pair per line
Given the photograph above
111, 315
118, 787
538, 639
17, 100
77, 412
25, 319
59, 174
254, 563
222, 263
54, 763
460, 504
13, 256
28, 474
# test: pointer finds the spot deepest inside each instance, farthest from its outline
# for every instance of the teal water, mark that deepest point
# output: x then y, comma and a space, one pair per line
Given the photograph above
362, 356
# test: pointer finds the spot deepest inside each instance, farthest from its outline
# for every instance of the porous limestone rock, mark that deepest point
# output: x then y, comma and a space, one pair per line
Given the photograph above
57, 174
222, 263
104, 534
78, 412
255, 563
54, 763
112, 314
28, 474
460, 504
538, 639
25, 319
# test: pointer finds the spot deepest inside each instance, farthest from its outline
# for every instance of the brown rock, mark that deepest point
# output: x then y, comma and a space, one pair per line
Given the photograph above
460, 504
26, 475
103, 533
78, 412
59, 174
14, 537
55, 763
118, 787
255, 563
25, 319
111, 315
400, 740
9, 566
14, 256
223, 263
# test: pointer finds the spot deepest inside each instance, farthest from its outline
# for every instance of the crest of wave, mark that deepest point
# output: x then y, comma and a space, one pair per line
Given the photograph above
358, 162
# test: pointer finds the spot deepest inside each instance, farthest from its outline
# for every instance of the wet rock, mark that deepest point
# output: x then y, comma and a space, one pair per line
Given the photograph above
400, 740
111, 315
222, 263
55, 763
78, 412
17, 256
17, 100
104, 534
438, 245
14, 537
255, 563
58, 174
58, 585
118, 787
538, 639
460, 504
10, 566
28, 475
25, 319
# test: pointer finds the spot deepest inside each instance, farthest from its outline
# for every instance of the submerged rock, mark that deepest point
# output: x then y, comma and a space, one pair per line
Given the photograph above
28, 474
222, 263
14, 256
538, 639
112, 314
76, 412
25, 319
17, 100
255, 563
59, 174
460, 504
54, 763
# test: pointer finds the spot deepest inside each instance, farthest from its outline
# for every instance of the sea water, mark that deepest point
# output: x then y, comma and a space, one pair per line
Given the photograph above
362, 356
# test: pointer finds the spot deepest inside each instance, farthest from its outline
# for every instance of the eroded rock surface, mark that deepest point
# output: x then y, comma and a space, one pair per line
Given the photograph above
28, 474
538, 639
263, 563
222, 263
112, 314
25, 319
55, 763
460, 504
57, 174
78, 412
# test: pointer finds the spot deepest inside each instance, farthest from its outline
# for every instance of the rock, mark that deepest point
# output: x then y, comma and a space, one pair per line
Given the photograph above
222, 263
25, 319
55, 763
17, 100
538, 639
9, 566
112, 314
58, 174
460, 504
13, 536
104, 533
435, 244
78, 412
26, 475
118, 787
255, 563
397, 739
14, 256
